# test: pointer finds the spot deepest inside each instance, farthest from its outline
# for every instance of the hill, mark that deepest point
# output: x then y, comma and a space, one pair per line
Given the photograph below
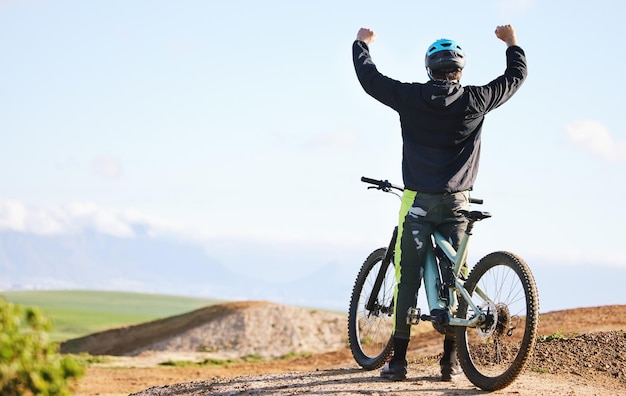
76, 313
230, 330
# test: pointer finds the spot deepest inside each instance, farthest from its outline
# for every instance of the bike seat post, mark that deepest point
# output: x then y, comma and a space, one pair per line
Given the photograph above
470, 226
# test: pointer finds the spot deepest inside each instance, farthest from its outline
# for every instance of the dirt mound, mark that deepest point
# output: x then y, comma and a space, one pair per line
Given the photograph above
588, 355
231, 330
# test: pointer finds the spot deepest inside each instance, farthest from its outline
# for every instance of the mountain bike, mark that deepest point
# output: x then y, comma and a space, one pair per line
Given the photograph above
493, 310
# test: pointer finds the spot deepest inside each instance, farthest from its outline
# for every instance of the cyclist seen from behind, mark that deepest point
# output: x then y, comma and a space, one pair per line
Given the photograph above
441, 122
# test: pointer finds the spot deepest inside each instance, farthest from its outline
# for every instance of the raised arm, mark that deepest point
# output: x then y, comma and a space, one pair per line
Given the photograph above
498, 91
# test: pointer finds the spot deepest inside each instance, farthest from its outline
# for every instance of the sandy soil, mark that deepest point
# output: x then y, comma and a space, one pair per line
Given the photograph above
590, 359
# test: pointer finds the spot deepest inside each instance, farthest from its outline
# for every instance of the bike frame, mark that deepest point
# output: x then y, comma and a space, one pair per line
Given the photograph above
432, 279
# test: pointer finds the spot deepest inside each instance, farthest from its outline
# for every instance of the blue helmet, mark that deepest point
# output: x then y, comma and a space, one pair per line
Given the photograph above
444, 55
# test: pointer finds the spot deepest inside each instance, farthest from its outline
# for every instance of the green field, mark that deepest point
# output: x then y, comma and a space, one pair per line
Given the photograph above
77, 313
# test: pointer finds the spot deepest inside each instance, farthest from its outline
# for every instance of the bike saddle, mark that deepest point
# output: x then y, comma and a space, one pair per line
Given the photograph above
475, 215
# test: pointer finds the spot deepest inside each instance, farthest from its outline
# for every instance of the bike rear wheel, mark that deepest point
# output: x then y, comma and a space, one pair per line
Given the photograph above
370, 330
494, 353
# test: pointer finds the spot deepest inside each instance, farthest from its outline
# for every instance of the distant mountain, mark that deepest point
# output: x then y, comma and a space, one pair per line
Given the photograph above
240, 269
97, 261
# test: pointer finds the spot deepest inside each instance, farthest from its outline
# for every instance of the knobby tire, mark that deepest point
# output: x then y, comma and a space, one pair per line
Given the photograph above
494, 354
370, 331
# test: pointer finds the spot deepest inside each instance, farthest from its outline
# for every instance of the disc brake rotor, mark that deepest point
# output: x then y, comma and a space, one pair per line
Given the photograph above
490, 311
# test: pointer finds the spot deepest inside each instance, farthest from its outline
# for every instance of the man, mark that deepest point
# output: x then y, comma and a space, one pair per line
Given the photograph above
441, 123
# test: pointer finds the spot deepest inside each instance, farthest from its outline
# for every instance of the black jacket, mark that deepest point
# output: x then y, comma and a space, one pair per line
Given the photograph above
441, 121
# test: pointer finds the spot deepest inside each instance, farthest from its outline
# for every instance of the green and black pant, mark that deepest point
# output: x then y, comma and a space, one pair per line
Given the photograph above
420, 215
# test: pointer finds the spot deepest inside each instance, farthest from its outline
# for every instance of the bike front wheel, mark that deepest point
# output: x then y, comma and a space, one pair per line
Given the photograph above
493, 353
370, 329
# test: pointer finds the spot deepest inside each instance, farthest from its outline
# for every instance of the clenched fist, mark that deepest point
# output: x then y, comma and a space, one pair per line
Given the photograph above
366, 35
506, 33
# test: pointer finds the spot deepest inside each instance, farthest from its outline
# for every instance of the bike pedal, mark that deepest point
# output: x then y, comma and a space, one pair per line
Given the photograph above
413, 316
437, 316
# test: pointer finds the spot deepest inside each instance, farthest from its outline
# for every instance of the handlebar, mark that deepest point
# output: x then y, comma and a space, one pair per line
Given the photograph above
381, 184
385, 186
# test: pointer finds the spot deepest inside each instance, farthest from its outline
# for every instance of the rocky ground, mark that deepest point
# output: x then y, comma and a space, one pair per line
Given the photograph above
278, 350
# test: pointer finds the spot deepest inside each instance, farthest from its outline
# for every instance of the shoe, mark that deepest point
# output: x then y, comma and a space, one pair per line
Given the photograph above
394, 370
450, 371
449, 363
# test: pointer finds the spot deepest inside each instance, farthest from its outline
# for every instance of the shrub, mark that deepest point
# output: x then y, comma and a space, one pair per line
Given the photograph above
552, 337
29, 363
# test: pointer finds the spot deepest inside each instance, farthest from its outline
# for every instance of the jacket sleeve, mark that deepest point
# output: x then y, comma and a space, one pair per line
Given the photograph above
498, 91
384, 89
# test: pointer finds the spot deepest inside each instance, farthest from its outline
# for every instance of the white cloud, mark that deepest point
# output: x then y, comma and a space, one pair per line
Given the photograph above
595, 138
514, 7
90, 216
80, 216
341, 138
15, 216
108, 167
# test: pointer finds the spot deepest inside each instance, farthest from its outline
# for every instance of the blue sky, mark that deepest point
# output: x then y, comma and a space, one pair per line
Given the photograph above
244, 119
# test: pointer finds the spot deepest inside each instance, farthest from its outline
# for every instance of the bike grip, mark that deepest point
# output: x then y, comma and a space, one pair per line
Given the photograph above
370, 181
476, 201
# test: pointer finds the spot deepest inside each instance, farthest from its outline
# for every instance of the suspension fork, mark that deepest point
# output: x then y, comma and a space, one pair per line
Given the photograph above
372, 301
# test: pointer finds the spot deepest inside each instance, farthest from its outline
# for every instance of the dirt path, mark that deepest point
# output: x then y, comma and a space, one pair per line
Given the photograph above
336, 374
348, 382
